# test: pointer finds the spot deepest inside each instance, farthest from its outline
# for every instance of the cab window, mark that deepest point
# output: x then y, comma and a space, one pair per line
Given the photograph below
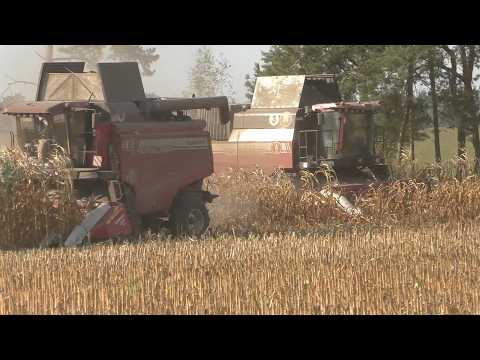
356, 134
330, 126
59, 128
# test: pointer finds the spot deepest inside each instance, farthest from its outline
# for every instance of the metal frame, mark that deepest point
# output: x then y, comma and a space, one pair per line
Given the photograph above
304, 146
68, 132
378, 141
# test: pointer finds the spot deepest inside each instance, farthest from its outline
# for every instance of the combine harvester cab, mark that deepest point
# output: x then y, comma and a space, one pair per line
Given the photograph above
145, 158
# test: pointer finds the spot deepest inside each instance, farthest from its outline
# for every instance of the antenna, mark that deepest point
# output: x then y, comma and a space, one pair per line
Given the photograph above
83, 83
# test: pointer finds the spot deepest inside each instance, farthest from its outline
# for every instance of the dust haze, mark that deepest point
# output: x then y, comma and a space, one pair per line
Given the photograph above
23, 63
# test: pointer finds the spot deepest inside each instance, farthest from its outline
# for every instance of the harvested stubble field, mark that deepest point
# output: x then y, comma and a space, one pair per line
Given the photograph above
272, 249
360, 271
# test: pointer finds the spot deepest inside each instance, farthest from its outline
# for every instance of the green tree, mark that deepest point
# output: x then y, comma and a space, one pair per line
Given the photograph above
348, 62
146, 57
93, 54
364, 72
210, 75
433, 59
401, 68
463, 60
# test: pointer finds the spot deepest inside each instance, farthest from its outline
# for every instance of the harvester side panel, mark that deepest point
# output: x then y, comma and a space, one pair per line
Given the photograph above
268, 149
160, 159
249, 149
225, 156
268, 156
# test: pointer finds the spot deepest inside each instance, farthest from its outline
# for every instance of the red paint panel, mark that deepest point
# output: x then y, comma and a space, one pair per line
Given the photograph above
114, 223
103, 138
160, 159
224, 156
268, 156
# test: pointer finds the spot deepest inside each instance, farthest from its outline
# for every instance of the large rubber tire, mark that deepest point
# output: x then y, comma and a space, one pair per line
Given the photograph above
189, 216
135, 218
382, 172
153, 223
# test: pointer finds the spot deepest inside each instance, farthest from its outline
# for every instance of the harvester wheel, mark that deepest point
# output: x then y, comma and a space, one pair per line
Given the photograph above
382, 172
189, 216
134, 217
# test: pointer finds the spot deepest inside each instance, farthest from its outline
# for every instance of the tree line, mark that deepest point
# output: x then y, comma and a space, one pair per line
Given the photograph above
93, 54
420, 85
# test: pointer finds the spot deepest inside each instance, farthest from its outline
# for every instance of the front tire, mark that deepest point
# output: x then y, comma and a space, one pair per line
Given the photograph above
189, 216
382, 172
135, 219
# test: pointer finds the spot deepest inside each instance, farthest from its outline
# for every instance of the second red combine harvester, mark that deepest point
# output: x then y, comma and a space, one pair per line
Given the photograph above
300, 123
144, 159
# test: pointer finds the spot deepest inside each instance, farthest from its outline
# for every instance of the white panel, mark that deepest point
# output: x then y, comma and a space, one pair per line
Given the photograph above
73, 87
262, 135
278, 92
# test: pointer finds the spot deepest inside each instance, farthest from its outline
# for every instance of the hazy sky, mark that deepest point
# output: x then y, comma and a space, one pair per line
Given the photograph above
170, 79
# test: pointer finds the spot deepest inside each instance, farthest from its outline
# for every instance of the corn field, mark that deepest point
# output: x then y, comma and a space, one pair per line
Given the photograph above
254, 203
36, 199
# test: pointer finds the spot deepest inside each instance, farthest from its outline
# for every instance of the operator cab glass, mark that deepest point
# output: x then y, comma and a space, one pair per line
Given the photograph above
31, 129
59, 127
344, 134
72, 131
357, 137
329, 125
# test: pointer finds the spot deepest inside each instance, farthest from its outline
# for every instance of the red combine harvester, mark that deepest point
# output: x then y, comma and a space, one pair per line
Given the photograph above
300, 123
144, 158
